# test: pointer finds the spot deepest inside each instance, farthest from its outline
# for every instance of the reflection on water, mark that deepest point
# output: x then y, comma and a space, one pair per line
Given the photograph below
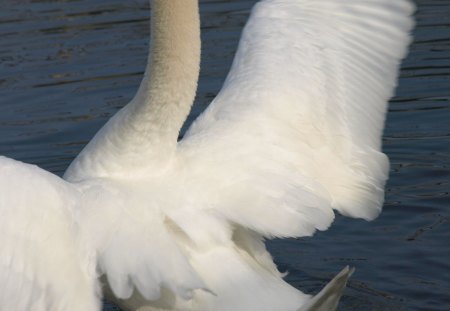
67, 66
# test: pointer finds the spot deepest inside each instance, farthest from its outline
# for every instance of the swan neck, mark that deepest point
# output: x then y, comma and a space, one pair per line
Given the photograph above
168, 89
144, 134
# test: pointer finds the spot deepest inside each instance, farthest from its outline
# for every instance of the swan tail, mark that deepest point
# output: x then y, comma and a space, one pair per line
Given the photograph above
328, 298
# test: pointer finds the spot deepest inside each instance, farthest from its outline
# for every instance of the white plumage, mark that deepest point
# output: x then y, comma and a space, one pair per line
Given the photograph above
42, 260
294, 134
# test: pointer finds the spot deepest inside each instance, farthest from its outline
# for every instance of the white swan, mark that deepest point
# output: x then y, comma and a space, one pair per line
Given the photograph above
294, 133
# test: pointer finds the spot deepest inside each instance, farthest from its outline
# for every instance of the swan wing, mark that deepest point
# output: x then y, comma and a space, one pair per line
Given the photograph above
55, 236
40, 260
134, 242
296, 130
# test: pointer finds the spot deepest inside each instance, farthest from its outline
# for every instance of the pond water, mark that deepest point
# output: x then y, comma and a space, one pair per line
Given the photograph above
66, 66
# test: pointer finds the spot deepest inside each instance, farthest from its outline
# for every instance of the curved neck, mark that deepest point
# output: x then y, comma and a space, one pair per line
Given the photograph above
145, 132
167, 91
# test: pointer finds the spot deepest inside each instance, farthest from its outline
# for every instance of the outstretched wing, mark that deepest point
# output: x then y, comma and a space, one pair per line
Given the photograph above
296, 130
54, 235
40, 264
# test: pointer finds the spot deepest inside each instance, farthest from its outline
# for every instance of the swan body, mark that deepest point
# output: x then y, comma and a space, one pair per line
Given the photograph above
294, 134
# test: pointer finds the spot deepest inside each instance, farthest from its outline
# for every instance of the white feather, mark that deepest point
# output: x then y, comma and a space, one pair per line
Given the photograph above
42, 267
303, 107
294, 134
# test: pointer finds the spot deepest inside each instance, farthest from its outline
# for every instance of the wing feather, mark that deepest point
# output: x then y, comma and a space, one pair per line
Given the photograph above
296, 130
40, 264
55, 234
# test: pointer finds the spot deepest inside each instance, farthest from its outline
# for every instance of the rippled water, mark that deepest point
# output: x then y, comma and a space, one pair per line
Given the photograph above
68, 65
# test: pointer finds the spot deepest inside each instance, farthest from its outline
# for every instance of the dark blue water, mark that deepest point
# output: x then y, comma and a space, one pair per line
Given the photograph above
67, 65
